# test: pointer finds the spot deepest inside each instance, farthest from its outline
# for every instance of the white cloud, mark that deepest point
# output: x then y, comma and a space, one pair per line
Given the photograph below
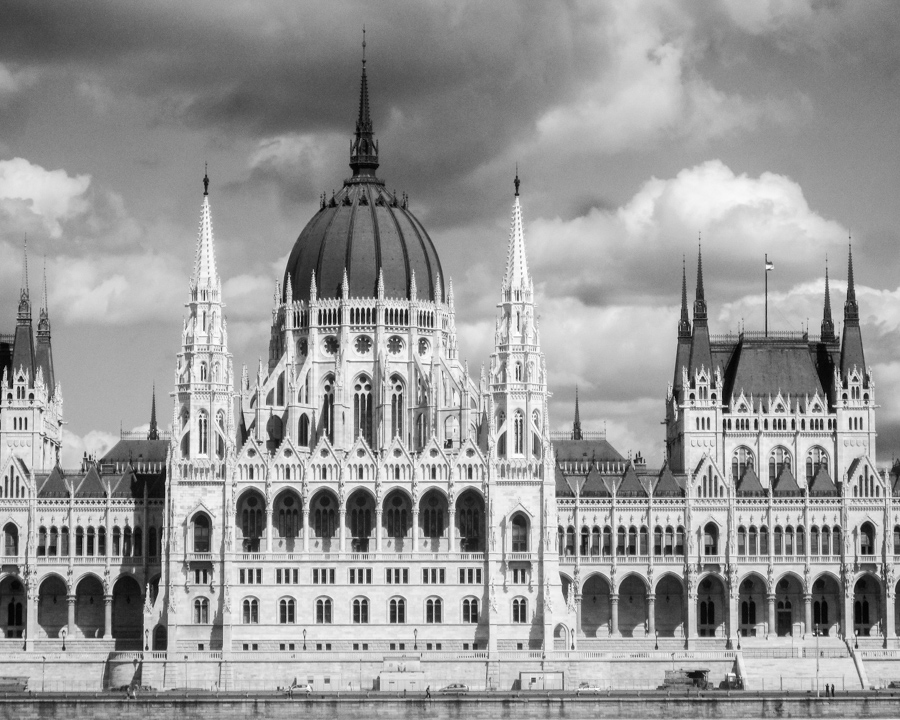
50, 195
94, 443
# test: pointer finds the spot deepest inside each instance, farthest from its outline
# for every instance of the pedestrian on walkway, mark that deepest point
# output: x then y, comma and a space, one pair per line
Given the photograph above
428, 692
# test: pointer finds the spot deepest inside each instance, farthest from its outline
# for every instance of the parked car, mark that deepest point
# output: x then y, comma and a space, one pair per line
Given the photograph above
588, 689
304, 689
454, 688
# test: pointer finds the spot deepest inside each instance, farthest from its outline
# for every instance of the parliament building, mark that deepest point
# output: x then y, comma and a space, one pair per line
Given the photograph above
361, 495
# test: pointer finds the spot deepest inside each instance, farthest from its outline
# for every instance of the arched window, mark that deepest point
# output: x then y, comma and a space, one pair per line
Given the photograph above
433, 520
742, 540
220, 435
324, 525
91, 538
53, 548
607, 541
397, 611
101, 541
138, 543
360, 611
434, 611
126, 544
519, 431
620, 541
643, 546
397, 407
201, 611
42, 541
778, 538
520, 610
362, 409
303, 430
801, 541
11, 540
752, 541
519, 533
789, 540
896, 539
741, 461
470, 610
201, 533
764, 540
328, 408
323, 611
816, 459
779, 459
152, 543
250, 611
867, 539
632, 540
396, 519
251, 522
287, 611
658, 541
79, 541
202, 433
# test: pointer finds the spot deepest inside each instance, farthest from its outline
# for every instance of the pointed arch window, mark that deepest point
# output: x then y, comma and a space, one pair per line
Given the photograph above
362, 409
303, 430
203, 433
778, 461
397, 406
328, 408
397, 611
741, 461
816, 459
519, 533
220, 434
201, 533
519, 431
434, 611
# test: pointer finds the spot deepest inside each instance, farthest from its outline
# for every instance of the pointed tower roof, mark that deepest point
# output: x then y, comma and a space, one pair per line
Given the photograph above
667, 485
24, 317
576, 426
43, 353
516, 261
631, 484
364, 149
827, 321
154, 428
822, 484
851, 342
684, 323
701, 356
786, 483
205, 262
23, 342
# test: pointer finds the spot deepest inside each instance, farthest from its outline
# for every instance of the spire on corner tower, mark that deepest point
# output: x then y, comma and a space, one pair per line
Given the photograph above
516, 261
851, 342
205, 264
827, 321
154, 428
700, 299
576, 426
364, 148
24, 298
684, 324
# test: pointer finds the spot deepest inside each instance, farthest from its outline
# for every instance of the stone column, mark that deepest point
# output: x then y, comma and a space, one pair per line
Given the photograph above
651, 615
691, 629
807, 614
773, 627
306, 529
71, 600
577, 621
343, 520
889, 623
31, 614
107, 616
614, 614
379, 515
733, 615
451, 529
415, 529
269, 529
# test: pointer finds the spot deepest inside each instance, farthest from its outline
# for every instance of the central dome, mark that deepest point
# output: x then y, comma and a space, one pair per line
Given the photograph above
364, 229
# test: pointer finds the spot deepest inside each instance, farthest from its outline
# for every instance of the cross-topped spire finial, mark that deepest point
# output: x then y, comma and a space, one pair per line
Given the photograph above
516, 181
205, 179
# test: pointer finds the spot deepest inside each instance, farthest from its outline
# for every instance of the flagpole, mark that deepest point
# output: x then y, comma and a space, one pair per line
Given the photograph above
766, 271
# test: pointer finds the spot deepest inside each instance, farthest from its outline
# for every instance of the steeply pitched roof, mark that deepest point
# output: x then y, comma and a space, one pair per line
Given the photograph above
749, 483
631, 484
767, 367
137, 451
822, 484
584, 450
594, 485
52, 485
786, 483
90, 485
668, 485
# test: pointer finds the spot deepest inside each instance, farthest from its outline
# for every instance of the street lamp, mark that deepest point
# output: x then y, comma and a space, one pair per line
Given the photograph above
64, 632
43, 661
656, 646
146, 639
856, 640
415, 638
304, 638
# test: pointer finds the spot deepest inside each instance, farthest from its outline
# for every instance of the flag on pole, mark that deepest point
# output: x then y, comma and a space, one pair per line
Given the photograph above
769, 265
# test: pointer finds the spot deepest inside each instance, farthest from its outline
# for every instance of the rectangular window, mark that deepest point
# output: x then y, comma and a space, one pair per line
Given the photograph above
201, 577
520, 576
323, 576
250, 576
470, 576
433, 576
396, 576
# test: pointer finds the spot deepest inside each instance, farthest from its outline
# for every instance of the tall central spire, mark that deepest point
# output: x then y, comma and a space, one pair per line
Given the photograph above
154, 427
851, 307
576, 426
364, 148
24, 297
205, 262
700, 300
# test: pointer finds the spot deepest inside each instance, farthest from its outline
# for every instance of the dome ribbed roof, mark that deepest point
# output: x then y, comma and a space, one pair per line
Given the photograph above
364, 229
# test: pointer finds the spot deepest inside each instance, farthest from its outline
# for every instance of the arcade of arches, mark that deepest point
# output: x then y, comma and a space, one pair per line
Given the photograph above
639, 610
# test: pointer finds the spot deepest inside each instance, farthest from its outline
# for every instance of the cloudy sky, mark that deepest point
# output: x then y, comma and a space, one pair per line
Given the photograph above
767, 127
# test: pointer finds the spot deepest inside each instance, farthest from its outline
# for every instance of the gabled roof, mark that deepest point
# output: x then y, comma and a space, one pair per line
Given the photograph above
53, 485
786, 483
91, 485
563, 488
822, 484
631, 484
137, 451
594, 486
749, 483
668, 485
